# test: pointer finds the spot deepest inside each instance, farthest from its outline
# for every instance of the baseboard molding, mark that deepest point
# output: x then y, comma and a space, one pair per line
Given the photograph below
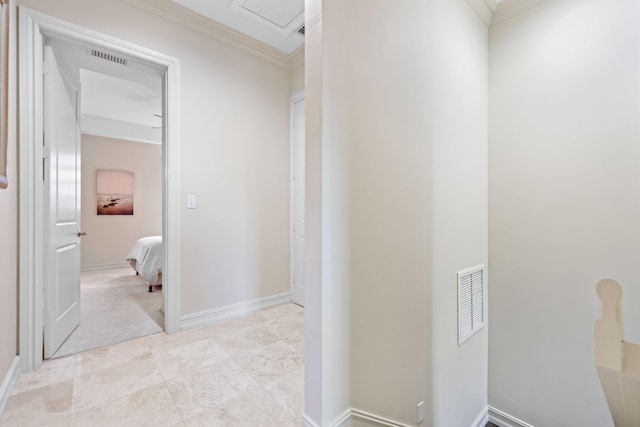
352, 414
374, 420
347, 418
9, 383
208, 317
502, 419
109, 266
482, 419
343, 420
308, 422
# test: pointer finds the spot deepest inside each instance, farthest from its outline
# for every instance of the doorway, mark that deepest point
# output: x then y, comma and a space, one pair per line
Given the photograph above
102, 196
35, 28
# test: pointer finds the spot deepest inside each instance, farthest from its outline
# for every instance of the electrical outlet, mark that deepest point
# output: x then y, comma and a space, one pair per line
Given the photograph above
420, 412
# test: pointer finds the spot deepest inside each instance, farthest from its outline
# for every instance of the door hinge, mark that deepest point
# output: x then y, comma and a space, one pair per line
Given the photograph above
46, 67
45, 151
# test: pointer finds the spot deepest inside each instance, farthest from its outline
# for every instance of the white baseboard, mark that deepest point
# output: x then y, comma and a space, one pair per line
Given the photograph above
9, 383
373, 420
482, 419
343, 420
502, 419
308, 422
347, 418
208, 317
109, 266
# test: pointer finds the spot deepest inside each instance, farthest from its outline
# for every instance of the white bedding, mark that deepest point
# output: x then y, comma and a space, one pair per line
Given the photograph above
146, 257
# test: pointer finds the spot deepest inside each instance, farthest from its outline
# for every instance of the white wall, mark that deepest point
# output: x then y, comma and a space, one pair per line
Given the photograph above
458, 132
9, 228
297, 78
234, 152
397, 129
564, 202
111, 237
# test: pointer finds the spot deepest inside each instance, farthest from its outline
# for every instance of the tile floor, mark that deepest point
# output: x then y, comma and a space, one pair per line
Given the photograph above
243, 372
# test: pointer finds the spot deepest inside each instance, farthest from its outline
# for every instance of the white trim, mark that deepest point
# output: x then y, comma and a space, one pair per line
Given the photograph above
233, 311
482, 419
374, 420
484, 9
108, 266
9, 383
308, 422
348, 416
510, 8
503, 419
208, 27
296, 57
32, 26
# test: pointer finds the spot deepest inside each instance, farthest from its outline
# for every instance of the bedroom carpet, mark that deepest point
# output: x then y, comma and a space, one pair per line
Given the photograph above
116, 306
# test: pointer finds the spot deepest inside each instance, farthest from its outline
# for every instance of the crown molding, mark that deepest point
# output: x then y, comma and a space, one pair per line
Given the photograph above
510, 8
208, 27
296, 58
484, 9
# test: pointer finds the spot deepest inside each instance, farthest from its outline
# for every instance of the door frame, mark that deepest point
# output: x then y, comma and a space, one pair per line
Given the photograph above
33, 27
295, 98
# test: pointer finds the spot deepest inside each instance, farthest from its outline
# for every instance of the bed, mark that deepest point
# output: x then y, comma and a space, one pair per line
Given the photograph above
146, 258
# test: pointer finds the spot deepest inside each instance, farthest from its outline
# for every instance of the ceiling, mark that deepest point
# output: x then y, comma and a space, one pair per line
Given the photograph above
115, 98
118, 99
273, 22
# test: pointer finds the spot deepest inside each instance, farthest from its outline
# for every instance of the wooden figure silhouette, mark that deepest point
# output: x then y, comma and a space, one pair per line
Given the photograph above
617, 361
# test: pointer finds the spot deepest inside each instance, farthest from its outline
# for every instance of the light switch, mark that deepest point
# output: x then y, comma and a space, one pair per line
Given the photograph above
191, 202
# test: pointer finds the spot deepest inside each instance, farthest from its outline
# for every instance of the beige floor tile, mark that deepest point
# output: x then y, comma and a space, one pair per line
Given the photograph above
206, 388
288, 391
51, 371
240, 341
162, 341
289, 326
203, 377
250, 409
180, 361
99, 387
151, 406
107, 357
45, 406
271, 361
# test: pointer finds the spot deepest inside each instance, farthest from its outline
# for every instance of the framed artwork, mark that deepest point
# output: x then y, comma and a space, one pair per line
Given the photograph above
114, 192
4, 88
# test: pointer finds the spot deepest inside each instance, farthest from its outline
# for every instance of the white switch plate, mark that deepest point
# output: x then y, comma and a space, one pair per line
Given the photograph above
191, 202
420, 412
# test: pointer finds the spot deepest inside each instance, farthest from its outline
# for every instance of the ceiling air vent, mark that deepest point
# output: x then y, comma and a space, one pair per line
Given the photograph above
471, 309
108, 57
301, 30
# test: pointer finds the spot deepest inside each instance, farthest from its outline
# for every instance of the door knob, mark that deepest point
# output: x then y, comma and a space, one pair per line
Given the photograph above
81, 233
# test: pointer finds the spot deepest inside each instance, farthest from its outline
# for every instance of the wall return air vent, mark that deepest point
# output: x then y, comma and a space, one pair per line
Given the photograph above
471, 302
108, 57
301, 30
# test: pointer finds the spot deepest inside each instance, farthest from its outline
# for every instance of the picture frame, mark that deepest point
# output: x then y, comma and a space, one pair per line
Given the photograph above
4, 89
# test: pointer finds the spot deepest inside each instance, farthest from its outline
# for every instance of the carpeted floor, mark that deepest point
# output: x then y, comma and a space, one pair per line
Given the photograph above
116, 306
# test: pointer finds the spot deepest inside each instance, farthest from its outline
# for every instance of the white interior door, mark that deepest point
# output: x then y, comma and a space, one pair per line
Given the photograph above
62, 203
299, 241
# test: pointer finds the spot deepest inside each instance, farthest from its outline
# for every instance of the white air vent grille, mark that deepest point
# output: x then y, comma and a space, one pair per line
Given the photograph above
108, 57
471, 309
301, 30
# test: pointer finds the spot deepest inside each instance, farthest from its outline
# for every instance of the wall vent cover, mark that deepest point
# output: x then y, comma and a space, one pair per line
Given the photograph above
301, 30
108, 57
471, 302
